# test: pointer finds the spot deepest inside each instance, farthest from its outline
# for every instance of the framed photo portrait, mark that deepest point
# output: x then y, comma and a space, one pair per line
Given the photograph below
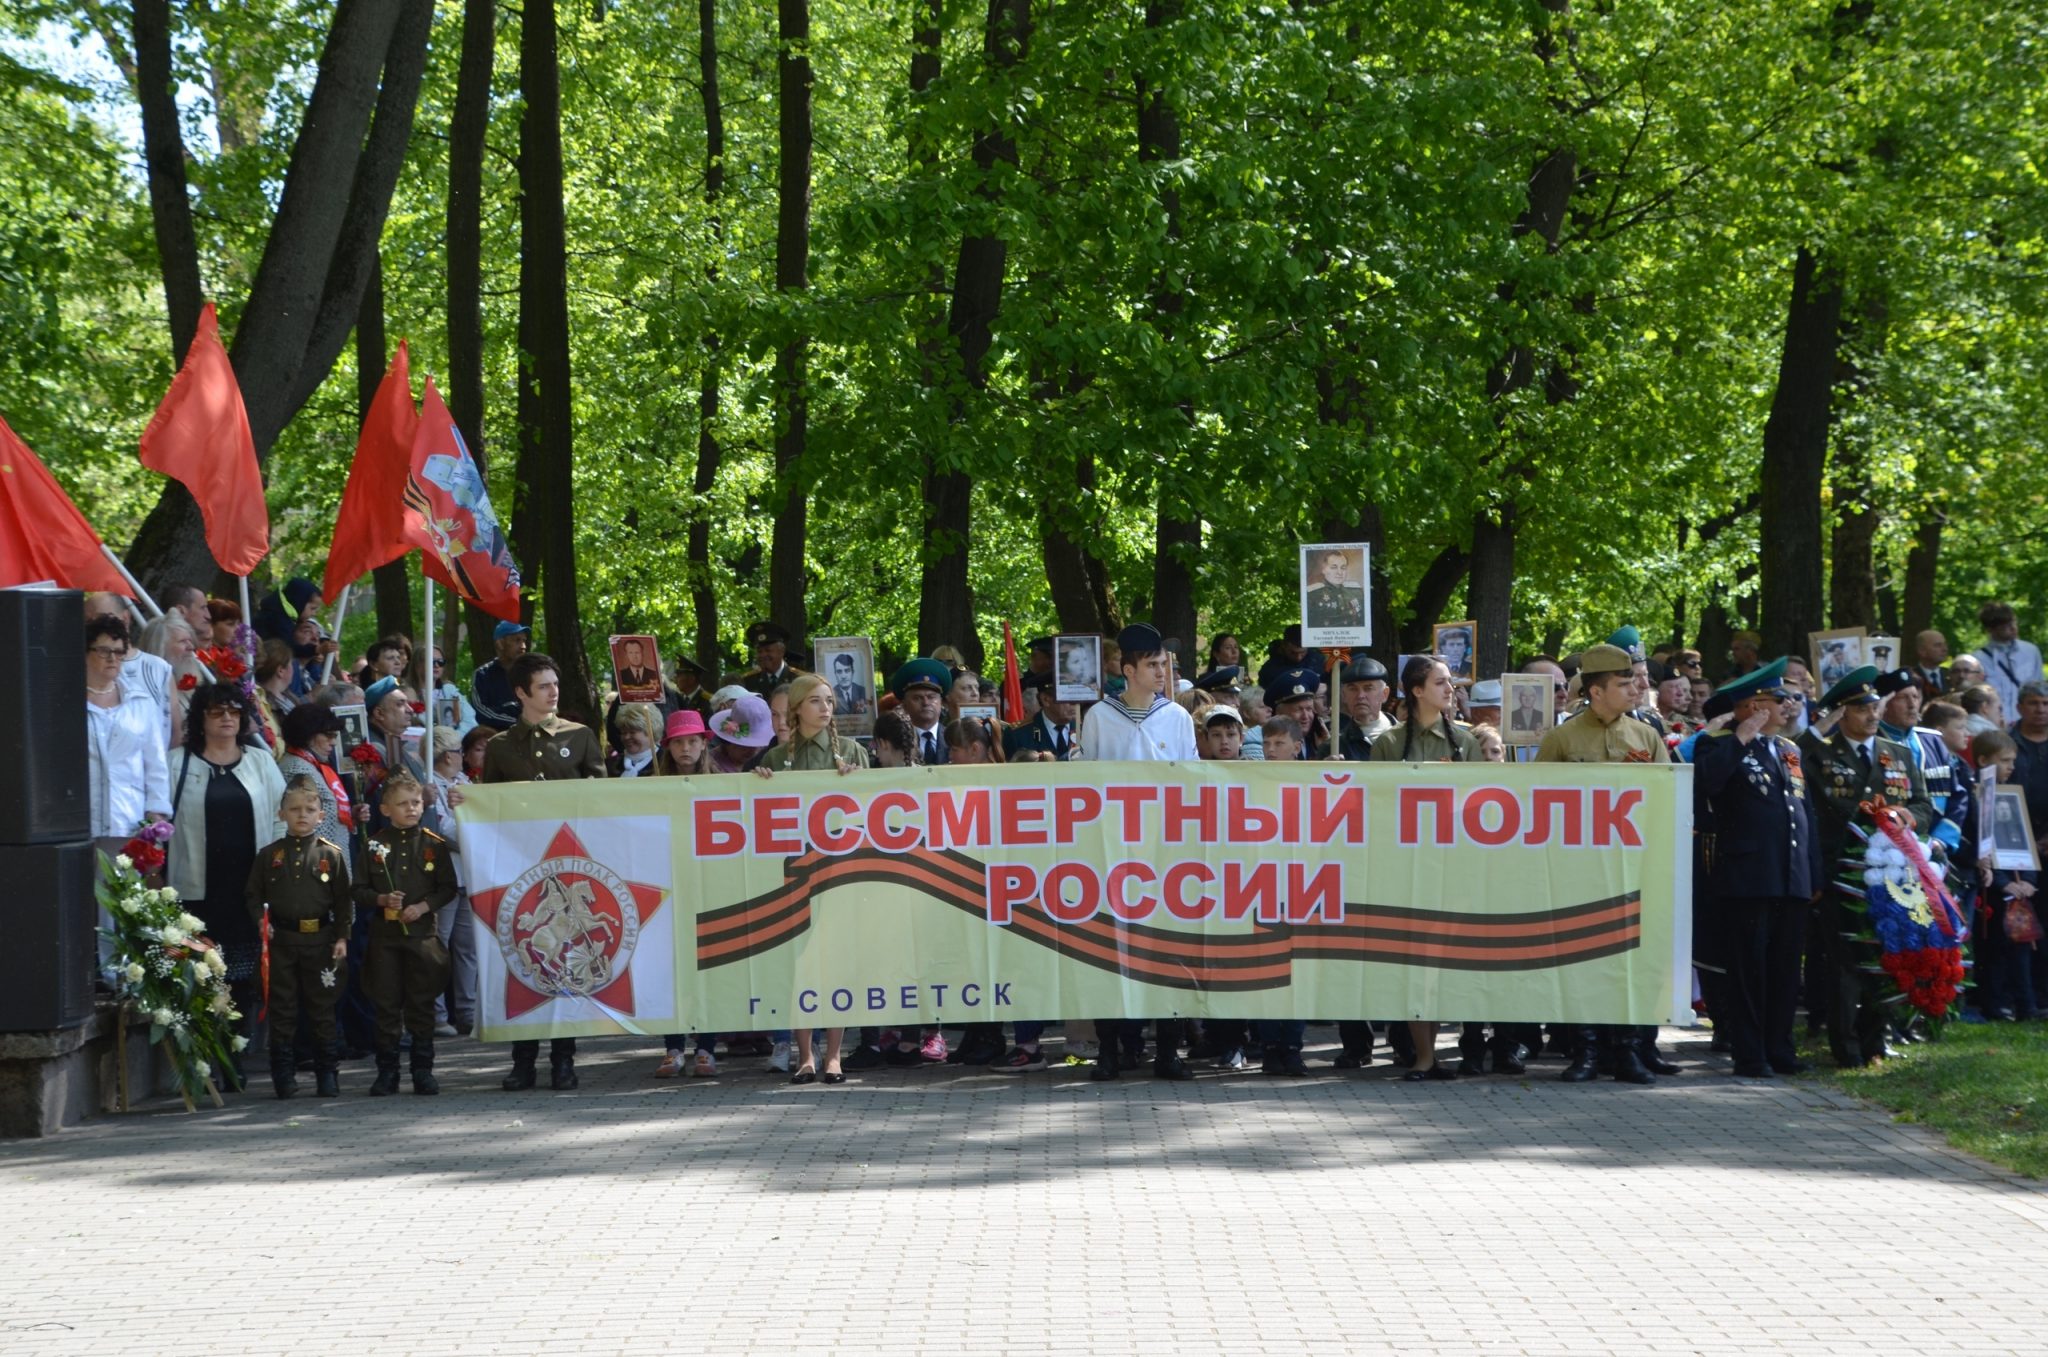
1455, 642
1077, 672
847, 663
1836, 654
2012, 833
1882, 651
977, 712
355, 728
636, 666
1526, 704
448, 712
1334, 608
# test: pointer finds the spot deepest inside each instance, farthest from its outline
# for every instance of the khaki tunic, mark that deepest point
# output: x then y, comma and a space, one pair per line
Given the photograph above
305, 883
1585, 738
556, 750
1428, 746
813, 755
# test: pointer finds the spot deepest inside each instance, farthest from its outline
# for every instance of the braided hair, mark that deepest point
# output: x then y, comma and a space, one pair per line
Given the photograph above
1414, 675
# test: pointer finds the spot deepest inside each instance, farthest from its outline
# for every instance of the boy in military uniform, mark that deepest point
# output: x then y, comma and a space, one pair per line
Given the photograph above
301, 882
541, 746
1606, 732
1852, 765
407, 875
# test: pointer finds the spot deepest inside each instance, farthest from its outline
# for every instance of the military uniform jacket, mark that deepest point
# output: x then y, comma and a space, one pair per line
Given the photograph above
416, 864
755, 681
1840, 786
305, 882
1033, 737
554, 751
1763, 844
1585, 738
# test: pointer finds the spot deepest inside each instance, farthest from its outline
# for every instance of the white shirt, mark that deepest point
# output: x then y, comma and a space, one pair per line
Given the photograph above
2007, 665
125, 749
1111, 731
151, 675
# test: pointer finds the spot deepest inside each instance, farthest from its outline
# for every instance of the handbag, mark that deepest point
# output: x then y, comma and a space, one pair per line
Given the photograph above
2022, 925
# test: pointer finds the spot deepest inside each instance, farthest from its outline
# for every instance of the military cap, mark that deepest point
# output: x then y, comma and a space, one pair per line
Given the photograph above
1041, 644
1717, 704
1853, 688
1765, 681
1140, 638
1224, 678
1629, 641
1364, 669
1605, 658
1893, 680
683, 662
1292, 684
1031, 682
921, 674
767, 634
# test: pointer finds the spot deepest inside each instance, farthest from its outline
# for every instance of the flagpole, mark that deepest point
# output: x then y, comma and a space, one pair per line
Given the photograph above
140, 592
340, 616
426, 653
248, 614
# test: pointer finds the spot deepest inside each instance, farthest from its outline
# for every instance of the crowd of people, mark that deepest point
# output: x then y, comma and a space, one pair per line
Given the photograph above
340, 846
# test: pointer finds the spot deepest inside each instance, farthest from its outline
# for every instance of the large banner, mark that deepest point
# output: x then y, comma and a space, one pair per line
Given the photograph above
1518, 892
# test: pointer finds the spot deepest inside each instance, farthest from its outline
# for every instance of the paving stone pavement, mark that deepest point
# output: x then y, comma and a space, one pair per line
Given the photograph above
944, 1211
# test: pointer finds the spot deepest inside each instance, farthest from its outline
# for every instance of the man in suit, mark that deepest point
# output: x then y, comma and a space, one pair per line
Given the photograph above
1531, 715
1334, 601
1762, 866
1930, 653
849, 697
1852, 765
634, 671
1049, 732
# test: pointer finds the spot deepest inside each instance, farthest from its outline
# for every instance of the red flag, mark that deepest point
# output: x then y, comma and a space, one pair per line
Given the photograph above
370, 530
42, 534
1013, 681
448, 516
200, 435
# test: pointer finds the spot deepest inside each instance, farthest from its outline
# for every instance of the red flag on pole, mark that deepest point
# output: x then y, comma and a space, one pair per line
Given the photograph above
448, 516
42, 534
1013, 680
370, 530
200, 436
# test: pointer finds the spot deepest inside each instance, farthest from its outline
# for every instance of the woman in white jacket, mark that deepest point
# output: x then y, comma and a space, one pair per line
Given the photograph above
225, 788
124, 739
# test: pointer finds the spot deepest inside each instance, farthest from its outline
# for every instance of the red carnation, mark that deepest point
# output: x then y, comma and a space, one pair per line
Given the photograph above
187, 682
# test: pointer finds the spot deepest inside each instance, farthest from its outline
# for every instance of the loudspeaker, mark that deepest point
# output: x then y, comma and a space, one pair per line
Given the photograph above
48, 917
44, 797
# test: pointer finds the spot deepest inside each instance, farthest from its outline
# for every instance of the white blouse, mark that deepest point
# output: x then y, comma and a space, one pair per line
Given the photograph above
130, 773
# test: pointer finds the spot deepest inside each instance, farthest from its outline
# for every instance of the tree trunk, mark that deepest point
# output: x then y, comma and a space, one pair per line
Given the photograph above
544, 318
1490, 588
1081, 596
703, 587
945, 598
1795, 455
786, 573
1432, 592
393, 579
1917, 613
163, 144
317, 258
466, 131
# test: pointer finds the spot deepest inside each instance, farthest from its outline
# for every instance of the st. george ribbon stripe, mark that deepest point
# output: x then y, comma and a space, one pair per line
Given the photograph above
1258, 960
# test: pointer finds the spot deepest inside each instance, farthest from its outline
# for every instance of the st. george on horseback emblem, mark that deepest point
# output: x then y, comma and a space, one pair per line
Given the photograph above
567, 928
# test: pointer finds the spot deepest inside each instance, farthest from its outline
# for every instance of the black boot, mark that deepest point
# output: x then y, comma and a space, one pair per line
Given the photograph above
562, 1073
1629, 1067
327, 1073
284, 1076
1511, 1059
386, 1082
1653, 1059
423, 1080
521, 1075
1585, 1066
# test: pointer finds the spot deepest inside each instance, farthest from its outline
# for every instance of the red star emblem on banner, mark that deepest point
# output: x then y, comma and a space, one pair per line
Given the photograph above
573, 922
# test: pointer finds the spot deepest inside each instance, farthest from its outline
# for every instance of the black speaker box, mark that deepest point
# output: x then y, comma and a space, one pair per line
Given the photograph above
44, 797
48, 916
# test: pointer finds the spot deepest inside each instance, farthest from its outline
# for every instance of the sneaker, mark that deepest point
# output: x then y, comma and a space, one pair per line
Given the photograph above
778, 1060
445, 1029
706, 1066
1082, 1050
1232, 1059
1021, 1061
933, 1049
672, 1063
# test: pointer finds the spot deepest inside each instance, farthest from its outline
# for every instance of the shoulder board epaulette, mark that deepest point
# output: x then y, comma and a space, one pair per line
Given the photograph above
326, 842
431, 836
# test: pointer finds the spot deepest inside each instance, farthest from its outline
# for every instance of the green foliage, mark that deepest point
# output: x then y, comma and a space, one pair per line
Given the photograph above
1345, 268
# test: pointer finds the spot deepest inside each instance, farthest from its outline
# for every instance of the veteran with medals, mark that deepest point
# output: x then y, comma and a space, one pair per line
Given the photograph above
1854, 765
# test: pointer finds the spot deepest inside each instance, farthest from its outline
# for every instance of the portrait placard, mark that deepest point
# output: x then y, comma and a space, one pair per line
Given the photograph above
1836, 654
1454, 646
1334, 608
847, 663
1078, 677
2012, 834
1882, 651
636, 667
1526, 704
978, 713
355, 729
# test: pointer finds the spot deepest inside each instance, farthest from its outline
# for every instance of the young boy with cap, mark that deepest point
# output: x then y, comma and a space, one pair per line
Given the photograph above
1139, 724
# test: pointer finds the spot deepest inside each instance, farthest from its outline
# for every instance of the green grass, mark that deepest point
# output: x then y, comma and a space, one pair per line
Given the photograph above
1984, 1087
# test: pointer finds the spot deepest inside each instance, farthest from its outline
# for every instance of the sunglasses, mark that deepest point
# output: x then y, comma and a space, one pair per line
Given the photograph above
106, 652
